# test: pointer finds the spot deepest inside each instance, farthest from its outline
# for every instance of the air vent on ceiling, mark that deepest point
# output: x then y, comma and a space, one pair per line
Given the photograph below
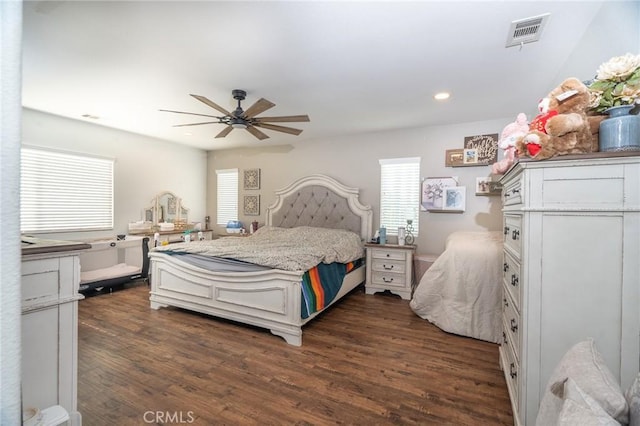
526, 30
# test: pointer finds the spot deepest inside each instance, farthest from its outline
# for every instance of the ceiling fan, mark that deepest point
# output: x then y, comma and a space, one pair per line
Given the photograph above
241, 119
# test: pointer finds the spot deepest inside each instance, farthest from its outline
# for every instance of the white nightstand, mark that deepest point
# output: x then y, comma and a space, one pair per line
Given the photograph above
390, 267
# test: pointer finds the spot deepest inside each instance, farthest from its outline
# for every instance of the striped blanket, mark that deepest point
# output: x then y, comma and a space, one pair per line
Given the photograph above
321, 284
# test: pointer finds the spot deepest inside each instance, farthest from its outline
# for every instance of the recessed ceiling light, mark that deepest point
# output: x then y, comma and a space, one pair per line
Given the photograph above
441, 96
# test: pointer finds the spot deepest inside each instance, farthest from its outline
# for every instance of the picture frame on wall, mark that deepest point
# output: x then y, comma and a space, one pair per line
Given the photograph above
470, 156
432, 192
486, 147
454, 199
454, 157
252, 205
252, 179
486, 186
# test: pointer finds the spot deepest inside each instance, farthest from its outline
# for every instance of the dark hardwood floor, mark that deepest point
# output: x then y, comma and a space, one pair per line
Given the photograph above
368, 360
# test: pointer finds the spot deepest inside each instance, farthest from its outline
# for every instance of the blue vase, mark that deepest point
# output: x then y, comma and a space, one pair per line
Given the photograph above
621, 131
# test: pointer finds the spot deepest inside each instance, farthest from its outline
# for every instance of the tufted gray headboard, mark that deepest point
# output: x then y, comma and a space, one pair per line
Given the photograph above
323, 202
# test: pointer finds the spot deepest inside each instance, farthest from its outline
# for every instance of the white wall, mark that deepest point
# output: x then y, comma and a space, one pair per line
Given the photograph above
144, 166
353, 160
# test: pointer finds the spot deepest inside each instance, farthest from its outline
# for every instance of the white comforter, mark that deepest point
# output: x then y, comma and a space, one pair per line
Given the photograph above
461, 292
290, 249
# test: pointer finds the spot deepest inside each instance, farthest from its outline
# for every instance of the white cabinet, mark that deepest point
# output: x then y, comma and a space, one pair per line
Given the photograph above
571, 269
50, 331
389, 267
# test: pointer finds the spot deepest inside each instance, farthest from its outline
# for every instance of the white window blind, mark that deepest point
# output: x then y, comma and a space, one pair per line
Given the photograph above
227, 198
65, 192
399, 193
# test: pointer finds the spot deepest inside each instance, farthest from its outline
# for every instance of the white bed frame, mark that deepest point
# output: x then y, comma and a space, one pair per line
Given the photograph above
270, 299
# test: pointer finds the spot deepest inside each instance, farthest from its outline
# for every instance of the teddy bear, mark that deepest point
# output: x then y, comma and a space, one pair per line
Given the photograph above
508, 138
562, 127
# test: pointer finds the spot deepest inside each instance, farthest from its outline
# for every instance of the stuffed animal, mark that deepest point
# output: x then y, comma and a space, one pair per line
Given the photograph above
562, 126
508, 138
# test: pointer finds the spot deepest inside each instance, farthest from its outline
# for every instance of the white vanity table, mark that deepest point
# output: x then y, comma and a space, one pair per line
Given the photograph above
167, 208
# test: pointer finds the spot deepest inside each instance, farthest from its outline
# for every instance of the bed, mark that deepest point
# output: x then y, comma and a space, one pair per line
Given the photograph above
461, 292
267, 297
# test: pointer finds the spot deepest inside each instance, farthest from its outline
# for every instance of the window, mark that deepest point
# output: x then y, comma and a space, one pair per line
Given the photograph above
227, 199
61, 192
399, 193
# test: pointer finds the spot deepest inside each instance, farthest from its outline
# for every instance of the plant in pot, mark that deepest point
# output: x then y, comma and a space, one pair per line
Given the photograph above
616, 91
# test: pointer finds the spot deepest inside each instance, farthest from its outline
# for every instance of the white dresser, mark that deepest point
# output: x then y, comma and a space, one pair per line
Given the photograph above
50, 281
571, 269
389, 267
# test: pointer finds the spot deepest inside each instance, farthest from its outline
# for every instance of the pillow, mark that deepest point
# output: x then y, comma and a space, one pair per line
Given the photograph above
584, 364
633, 399
579, 408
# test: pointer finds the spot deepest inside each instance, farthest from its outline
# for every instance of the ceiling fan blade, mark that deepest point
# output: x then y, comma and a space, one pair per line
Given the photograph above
261, 105
283, 119
211, 104
277, 128
190, 113
257, 133
224, 132
197, 124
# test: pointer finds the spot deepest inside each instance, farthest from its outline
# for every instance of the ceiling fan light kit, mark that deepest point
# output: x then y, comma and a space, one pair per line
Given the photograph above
240, 119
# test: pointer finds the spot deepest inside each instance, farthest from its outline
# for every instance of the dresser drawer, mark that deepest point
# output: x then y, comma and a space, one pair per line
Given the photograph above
377, 254
389, 279
511, 279
512, 231
512, 192
387, 265
511, 319
511, 374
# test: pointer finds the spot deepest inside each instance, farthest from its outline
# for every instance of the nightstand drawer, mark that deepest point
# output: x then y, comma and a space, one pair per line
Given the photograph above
389, 279
388, 254
386, 265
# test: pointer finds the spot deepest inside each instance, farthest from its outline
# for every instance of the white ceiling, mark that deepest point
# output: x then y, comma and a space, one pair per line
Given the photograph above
351, 66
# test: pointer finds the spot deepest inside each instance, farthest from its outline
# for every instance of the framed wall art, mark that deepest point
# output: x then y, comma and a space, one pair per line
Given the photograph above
454, 157
486, 186
252, 205
454, 199
252, 179
432, 192
470, 156
486, 147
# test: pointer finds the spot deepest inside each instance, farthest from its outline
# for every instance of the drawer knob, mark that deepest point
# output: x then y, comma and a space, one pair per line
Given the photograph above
512, 371
388, 268
504, 338
514, 280
514, 325
387, 254
505, 267
506, 303
390, 280
515, 234
506, 230
516, 191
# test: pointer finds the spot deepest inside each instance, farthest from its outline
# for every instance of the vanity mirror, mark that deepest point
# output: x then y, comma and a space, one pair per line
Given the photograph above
166, 207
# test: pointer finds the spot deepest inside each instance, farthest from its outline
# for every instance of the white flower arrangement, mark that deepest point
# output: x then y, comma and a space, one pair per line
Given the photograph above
617, 83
